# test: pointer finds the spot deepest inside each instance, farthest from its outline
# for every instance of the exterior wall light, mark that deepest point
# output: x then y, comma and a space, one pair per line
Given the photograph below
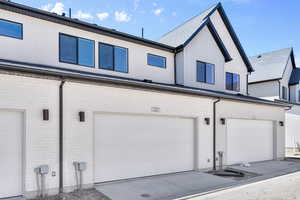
207, 120
45, 114
222, 121
81, 116
281, 123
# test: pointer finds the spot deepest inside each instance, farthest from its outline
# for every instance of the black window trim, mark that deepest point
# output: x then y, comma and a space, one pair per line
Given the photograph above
205, 72
113, 69
77, 51
165, 59
21, 38
232, 82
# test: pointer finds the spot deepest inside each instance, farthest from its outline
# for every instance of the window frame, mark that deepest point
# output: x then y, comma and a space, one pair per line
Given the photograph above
20, 38
114, 67
284, 93
205, 81
165, 59
232, 82
77, 50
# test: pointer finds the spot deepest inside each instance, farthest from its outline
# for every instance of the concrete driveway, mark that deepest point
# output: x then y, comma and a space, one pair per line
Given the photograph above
192, 184
163, 187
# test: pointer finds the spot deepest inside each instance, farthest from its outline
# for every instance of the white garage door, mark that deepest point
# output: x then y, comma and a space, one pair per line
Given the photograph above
11, 127
249, 140
130, 146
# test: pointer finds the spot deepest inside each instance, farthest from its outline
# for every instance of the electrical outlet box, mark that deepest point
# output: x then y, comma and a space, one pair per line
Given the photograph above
43, 169
80, 166
53, 173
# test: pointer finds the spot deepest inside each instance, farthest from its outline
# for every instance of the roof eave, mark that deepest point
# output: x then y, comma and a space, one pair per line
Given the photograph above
215, 35
233, 35
44, 15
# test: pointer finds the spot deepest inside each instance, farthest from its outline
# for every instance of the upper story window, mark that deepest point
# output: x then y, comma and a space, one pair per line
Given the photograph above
11, 29
284, 93
157, 61
205, 72
232, 81
113, 58
76, 50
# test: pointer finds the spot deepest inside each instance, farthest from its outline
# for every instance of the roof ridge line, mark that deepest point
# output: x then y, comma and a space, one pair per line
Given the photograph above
190, 19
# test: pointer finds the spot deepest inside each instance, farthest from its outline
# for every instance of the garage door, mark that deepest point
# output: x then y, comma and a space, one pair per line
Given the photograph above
249, 140
130, 146
10, 153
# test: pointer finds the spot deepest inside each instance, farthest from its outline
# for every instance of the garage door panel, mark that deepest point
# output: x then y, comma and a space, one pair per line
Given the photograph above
11, 130
249, 140
129, 146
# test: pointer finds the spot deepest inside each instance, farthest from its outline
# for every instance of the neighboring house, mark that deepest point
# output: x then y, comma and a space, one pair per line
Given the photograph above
276, 77
127, 106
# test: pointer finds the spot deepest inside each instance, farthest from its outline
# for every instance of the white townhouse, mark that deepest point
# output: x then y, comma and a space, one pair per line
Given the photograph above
276, 77
127, 106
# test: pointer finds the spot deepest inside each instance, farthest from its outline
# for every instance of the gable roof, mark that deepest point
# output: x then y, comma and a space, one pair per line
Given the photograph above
185, 32
295, 76
207, 23
270, 66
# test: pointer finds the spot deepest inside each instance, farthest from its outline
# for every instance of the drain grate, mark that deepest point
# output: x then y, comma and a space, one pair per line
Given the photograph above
146, 195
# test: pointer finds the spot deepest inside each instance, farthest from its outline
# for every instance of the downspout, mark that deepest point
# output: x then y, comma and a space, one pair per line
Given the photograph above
175, 68
61, 153
279, 89
214, 132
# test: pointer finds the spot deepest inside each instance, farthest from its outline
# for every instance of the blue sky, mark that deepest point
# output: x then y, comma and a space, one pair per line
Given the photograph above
262, 25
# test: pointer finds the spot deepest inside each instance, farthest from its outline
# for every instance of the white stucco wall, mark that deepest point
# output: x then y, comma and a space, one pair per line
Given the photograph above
31, 96
292, 127
203, 48
236, 65
266, 90
78, 142
180, 68
286, 77
41, 45
294, 93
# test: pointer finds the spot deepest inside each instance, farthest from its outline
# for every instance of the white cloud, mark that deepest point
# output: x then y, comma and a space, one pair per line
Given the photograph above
46, 7
58, 8
82, 15
158, 11
122, 16
103, 16
136, 4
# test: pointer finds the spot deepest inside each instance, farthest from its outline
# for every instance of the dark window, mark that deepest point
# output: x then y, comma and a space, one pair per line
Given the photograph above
76, 50
121, 59
232, 82
299, 95
11, 29
284, 92
205, 72
113, 58
86, 52
156, 61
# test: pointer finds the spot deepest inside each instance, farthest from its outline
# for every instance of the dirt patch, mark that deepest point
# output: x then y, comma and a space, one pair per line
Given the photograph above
86, 194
